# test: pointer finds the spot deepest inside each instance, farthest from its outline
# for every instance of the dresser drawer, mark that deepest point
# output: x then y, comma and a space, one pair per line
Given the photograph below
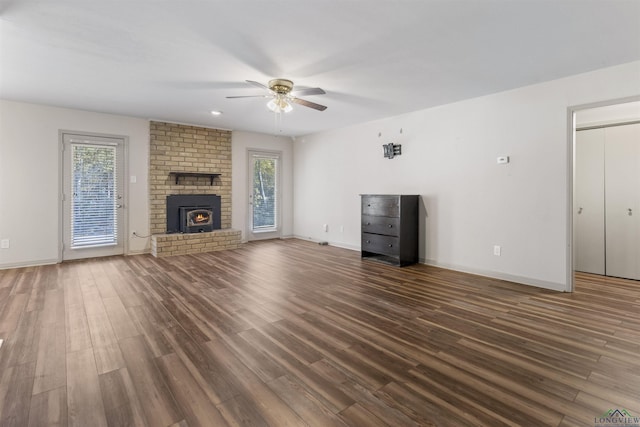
380, 225
381, 206
380, 244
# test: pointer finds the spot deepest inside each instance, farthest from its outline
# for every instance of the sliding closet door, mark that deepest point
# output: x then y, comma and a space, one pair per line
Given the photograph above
622, 189
588, 214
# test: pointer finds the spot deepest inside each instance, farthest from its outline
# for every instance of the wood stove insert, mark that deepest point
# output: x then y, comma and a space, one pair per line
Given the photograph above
193, 213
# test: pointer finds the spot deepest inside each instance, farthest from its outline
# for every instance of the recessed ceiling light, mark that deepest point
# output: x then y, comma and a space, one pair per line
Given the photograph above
216, 113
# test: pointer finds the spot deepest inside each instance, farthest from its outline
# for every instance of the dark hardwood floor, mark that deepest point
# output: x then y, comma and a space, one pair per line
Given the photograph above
289, 333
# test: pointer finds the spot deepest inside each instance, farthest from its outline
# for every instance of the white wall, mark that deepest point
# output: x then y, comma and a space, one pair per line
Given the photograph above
30, 177
470, 203
241, 143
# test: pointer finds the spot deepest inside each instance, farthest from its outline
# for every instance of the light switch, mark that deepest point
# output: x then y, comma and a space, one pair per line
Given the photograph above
503, 159
133, 179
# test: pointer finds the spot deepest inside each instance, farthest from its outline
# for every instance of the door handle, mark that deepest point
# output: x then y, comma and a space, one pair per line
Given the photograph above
629, 211
579, 211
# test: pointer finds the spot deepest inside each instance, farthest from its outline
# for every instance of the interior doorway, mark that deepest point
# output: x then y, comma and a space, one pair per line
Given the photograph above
606, 190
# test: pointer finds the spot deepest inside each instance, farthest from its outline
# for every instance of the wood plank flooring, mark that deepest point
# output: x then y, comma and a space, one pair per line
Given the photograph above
289, 333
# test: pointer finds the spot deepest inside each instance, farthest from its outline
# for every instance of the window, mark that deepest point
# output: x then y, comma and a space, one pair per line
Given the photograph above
94, 196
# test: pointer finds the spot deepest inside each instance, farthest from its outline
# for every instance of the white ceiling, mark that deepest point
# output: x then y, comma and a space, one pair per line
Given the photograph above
177, 60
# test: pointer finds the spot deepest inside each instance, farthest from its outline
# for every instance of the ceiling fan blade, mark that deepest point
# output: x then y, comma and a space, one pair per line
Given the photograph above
308, 91
308, 104
260, 85
250, 96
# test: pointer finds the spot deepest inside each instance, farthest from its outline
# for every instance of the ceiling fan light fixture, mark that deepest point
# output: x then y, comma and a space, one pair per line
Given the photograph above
284, 96
279, 104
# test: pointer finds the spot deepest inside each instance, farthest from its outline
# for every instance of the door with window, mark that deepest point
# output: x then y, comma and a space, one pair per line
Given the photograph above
264, 195
93, 202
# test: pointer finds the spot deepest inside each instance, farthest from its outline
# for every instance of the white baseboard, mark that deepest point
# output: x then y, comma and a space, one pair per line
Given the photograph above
141, 252
345, 246
29, 264
336, 244
560, 287
37, 263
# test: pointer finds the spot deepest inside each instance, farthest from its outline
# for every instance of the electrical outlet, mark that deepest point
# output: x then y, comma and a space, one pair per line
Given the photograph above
497, 250
4, 244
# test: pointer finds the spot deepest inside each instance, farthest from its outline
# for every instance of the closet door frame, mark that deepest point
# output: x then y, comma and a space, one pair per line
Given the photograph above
571, 140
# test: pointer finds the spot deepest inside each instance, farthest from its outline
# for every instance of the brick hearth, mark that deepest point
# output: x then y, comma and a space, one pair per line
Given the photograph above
182, 244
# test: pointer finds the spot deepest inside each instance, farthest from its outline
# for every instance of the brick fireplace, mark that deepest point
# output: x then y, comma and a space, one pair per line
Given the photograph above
189, 151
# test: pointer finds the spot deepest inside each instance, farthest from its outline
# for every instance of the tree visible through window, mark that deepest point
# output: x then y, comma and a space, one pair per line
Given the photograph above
264, 192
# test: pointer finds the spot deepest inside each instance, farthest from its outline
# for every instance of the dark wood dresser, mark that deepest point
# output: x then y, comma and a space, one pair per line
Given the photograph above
390, 228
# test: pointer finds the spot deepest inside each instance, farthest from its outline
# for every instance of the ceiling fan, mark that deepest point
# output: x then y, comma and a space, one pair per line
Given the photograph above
283, 94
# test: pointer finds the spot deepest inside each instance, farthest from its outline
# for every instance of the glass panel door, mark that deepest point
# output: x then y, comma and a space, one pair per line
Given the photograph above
93, 197
264, 211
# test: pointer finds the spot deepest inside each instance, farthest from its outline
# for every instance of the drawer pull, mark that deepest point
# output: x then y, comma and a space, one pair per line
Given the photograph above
390, 245
390, 226
368, 223
369, 204
368, 241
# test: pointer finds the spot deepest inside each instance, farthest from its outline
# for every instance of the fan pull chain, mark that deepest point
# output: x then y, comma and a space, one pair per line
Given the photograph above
278, 122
